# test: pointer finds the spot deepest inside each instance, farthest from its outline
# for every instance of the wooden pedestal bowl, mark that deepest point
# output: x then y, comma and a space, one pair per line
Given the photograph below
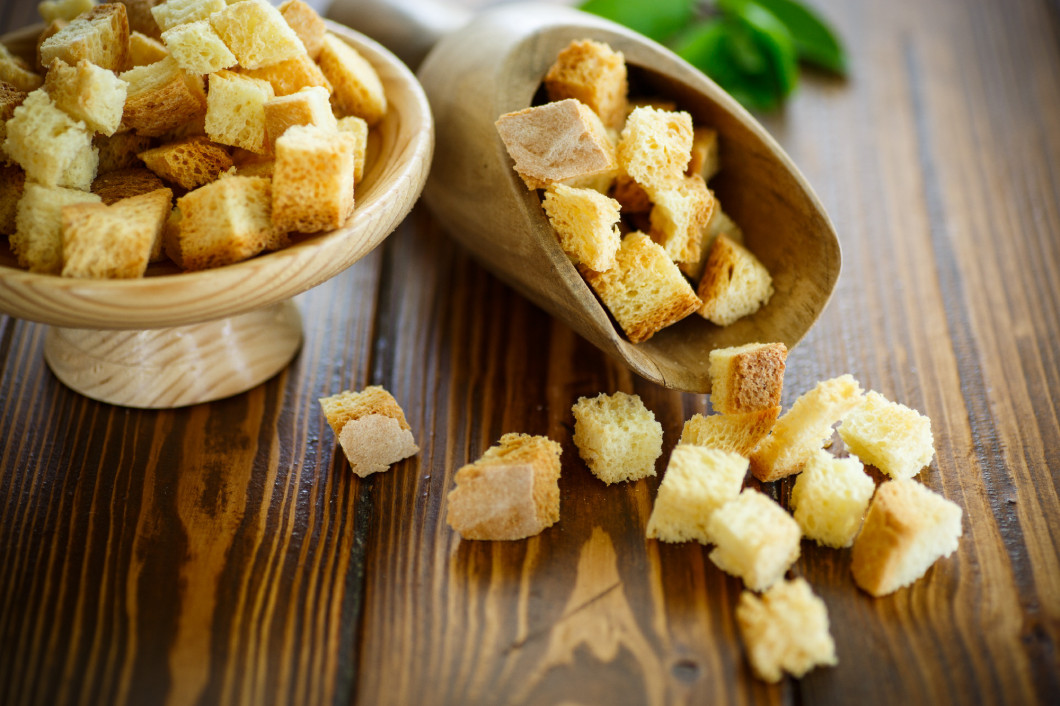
177, 338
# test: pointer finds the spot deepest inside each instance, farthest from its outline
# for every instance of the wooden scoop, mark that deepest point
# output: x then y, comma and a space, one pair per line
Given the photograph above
494, 64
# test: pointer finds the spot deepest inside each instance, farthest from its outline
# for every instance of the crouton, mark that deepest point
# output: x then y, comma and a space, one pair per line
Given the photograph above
312, 182
120, 184
162, 97
358, 128
679, 214
310, 106
37, 241
100, 36
371, 428
594, 74
16, 73
892, 437
586, 223
87, 93
617, 436
197, 48
757, 540
747, 378
290, 75
697, 482
52, 148
739, 433
830, 497
144, 50
356, 88
188, 163
306, 23
116, 241
174, 13
235, 110
256, 33
655, 147
12, 181
735, 284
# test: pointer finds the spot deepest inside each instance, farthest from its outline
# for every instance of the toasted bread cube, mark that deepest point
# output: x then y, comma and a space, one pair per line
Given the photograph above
51, 10
162, 97
645, 291
120, 150
16, 73
739, 433
37, 241
197, 48
100, 36
586, 223
291, 75
119, 184
892, 437
617, 436
358, 128
235, 110
12, 181
748, 377
223, 222
704, 158
830, 497
174, 13
10, 98
786, 630
594, 74
631, 195
188, 163
655, 147
555, 142
51, 29
757, 540
306, 23
87, 93
698, 481
265, 167
356, 88
679, 215
512, 492
310, 106
113, 242
256, 33
804, 428
907, 529
53, 148
371, 428
312, 182
735, 284
141, 21
719, 223
144, 50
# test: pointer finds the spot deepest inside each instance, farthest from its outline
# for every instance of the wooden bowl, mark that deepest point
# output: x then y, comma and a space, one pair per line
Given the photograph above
176, 338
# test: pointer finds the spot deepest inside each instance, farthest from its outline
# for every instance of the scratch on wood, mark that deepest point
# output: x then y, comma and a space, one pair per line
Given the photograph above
540, 632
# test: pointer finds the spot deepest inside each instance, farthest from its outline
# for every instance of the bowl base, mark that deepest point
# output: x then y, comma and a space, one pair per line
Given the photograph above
179, 366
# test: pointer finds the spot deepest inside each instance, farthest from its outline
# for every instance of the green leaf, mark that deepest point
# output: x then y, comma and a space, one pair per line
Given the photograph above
724, 49
775, 41
657, 19
815, 40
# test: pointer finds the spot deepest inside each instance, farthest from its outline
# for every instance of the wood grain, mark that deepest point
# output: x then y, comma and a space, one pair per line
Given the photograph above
224, 553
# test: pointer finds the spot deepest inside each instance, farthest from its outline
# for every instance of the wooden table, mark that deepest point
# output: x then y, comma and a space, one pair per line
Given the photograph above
225, 553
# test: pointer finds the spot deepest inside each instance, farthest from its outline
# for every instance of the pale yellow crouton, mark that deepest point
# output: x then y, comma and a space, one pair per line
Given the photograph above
310, 106
306, 23
679, 214
290, 75
235, 110
197, 48
52, 148
617, 436
698, 481
704, 160
757, 540
830, 497
172, 13
256, 33
907, 529
655, 147
312, 181
735, 284
87, 93
594, 74
786, 630
748, 377
37, 241
17, 73
100, 36
115, 241
144, 50
892, 437
356, 88
371, 428
739, 433
586, 223
358, 128
512, 492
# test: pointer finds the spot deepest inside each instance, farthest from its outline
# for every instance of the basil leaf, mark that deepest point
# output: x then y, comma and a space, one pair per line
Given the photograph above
658, 19
724, 49
815, 41
775, 41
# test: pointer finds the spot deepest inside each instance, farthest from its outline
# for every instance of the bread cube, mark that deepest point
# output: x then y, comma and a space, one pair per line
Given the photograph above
141, 21
655, 147
356, 88
12, 181
757, 540
907, 529
162, 97
235, 110
100, 36
888, 435
631, 195
16, 73
119, 184
786, 630
704, 158
52, 148
747, 378
188, 163
617, 436
594, 74
804, 428
37, 241
116, 241
174, 13
256, 33
291, 75
739, 433
197, 48
719, 223
144, 50
734, 284
306, 23
371, 428
512, 492
312, 181
679, 215
556, 141
645, 291
225, 221
698, 481
120, 150
310, 106
87, 93
10, 98
586, 223
51, 10
358, 128
830, 497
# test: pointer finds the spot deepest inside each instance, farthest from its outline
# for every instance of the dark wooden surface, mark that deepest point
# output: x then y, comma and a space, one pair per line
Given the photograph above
225, 554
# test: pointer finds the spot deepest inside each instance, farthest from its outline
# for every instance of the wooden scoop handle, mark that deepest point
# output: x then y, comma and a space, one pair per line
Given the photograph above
408, 28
